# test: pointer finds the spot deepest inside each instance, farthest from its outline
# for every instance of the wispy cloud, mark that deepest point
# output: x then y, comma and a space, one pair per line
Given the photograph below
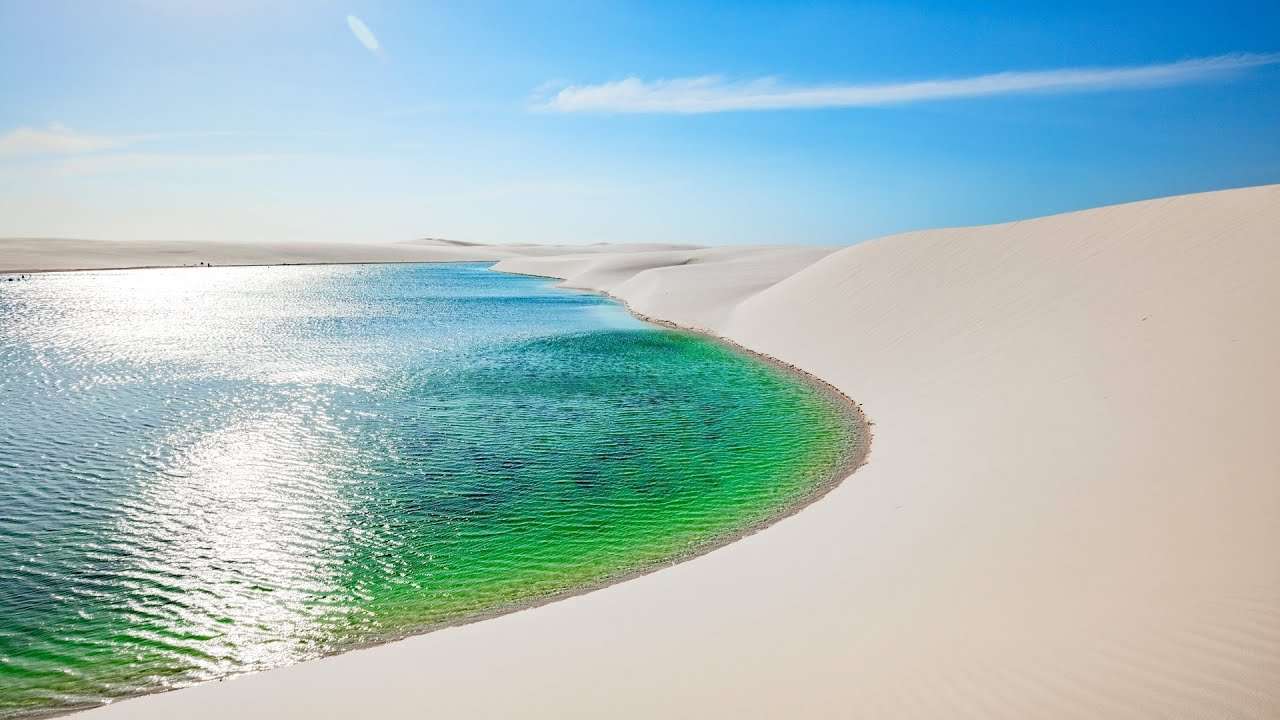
119, 163
364, 34
55, 139
710, 94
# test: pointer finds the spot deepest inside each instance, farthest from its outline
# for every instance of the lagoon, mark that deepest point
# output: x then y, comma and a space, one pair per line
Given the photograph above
212, 471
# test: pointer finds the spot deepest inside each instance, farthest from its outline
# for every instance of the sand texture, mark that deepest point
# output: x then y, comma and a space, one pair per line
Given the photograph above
1071, 509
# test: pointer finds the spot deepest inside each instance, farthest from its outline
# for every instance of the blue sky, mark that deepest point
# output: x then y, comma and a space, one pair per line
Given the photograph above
586, 122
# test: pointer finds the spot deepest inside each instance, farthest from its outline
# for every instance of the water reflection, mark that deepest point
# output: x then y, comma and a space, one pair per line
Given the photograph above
255, 510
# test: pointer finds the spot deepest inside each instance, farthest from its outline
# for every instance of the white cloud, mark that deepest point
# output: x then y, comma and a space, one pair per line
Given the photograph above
710, 94
363, 34
56, 139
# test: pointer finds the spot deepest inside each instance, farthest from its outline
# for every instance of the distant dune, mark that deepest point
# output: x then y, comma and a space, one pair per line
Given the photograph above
1071, 509
442, 241
42, 254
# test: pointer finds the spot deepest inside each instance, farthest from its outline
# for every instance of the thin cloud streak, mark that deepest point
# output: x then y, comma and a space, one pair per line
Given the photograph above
363, 34
711, 94
56, 139
131, 162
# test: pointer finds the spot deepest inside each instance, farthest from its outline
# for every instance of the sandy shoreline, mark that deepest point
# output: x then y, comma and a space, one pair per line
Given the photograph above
1072, 509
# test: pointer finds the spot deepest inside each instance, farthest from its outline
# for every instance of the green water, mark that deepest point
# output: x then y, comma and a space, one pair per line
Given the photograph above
211, 471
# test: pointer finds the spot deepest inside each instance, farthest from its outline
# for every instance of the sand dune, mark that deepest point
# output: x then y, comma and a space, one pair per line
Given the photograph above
32, 254
36, 254
693, 288
1072, 505
442, 242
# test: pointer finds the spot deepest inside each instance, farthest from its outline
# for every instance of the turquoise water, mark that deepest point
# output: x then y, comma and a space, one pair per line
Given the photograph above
211, 471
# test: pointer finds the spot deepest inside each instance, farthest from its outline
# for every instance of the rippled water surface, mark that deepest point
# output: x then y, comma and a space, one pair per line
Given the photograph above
211, 471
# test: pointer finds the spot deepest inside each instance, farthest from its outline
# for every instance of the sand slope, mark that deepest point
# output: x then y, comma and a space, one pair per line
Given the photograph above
1072, 506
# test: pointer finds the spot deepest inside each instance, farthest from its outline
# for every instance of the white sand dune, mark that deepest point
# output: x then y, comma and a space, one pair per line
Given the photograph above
19, 255
1071, 510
